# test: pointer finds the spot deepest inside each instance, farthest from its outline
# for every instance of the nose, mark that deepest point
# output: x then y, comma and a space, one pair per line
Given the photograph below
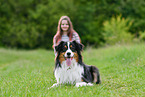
68, 53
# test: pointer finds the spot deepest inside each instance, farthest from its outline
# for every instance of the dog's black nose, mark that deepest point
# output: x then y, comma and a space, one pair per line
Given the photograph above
68, 53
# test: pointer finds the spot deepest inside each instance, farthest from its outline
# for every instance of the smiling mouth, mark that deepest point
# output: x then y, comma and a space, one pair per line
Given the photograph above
68, 60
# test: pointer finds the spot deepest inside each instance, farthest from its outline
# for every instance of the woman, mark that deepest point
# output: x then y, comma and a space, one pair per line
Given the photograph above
65, 32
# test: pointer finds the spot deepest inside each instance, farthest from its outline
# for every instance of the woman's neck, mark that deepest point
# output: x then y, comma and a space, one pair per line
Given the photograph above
65, 33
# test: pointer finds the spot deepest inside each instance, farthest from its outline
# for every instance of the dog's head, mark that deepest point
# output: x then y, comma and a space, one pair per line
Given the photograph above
68, 51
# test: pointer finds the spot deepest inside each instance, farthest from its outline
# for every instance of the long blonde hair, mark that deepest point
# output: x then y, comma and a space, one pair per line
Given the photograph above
60, 32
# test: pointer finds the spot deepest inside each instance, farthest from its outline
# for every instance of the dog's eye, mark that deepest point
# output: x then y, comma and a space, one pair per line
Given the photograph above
72, 48
65, 46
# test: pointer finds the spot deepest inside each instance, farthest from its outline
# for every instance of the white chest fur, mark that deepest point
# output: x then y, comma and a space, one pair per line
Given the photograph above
69, 74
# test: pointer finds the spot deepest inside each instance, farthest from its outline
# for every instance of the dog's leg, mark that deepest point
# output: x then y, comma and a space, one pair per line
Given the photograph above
95, 74
80, 84
54, 85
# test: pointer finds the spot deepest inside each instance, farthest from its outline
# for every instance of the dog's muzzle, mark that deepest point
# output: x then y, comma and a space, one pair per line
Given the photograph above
68, 57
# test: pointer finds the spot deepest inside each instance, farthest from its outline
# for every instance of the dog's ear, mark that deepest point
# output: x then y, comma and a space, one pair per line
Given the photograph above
79, 46
59, 46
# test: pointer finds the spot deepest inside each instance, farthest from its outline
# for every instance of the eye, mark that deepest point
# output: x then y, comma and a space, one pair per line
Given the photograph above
72, 48
64, 48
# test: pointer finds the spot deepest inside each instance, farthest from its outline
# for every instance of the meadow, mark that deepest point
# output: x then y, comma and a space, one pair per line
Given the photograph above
29, 73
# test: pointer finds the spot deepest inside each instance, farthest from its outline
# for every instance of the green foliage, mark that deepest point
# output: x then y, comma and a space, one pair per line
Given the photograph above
116, 30
142, 36
38, 19
85, 24
33, 23
135, 10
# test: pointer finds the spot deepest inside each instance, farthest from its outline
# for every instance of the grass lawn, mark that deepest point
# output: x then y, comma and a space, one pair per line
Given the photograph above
30, 73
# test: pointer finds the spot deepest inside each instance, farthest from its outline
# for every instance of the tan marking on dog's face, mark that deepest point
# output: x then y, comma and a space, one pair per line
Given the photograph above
76, 57
61, 57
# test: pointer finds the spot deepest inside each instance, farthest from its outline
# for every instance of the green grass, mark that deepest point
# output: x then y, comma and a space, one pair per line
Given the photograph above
30, 73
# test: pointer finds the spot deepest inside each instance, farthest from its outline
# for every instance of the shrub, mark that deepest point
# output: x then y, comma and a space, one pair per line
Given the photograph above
116, 30
142, 36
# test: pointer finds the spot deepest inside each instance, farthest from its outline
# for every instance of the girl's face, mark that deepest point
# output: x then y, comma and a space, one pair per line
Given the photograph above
64, 25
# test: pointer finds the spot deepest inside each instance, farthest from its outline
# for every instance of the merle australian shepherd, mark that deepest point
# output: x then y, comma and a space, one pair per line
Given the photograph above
69, 67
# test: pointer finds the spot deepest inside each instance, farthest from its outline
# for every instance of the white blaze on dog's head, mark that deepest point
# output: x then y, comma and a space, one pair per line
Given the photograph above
68, 54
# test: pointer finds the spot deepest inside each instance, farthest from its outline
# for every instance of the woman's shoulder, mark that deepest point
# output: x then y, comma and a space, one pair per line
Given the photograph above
76, 37
75, 33
55, 36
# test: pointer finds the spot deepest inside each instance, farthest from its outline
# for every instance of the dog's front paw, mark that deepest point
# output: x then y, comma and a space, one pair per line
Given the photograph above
89, 84
83, 84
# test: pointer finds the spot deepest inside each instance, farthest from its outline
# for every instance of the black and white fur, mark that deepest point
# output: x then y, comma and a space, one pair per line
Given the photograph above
77, 73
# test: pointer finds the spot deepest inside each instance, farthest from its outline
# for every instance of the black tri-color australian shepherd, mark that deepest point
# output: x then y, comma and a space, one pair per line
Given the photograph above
69, 67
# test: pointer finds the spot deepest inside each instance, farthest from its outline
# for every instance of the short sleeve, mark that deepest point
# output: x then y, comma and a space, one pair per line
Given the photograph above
76, 37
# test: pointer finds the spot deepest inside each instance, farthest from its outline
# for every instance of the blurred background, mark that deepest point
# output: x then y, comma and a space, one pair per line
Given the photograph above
31, 24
